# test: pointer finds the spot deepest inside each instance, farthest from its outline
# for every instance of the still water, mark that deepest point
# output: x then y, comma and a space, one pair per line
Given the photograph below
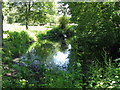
50, 54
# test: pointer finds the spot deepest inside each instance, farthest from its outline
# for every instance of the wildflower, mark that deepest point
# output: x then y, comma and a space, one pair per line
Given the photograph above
116, 76
101, 83
113, 81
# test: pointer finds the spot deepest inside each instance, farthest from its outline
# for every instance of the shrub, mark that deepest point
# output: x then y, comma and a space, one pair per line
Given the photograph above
57, 34
105, 76
15, 45
63, 21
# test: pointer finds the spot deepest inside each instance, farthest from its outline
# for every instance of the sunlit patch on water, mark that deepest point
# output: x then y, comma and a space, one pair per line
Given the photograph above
61, 58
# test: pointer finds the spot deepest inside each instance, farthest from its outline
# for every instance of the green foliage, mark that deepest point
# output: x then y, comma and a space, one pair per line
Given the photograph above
97, 33
20, 77
94, 56
44, 49
63, 79
57, 34
34, 12
63, 21
15, 45
104, 76
97, 29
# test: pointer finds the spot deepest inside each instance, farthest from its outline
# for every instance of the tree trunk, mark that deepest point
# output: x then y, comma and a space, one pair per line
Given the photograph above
26, 16
1, 38
26, 25
27, 4
1, 25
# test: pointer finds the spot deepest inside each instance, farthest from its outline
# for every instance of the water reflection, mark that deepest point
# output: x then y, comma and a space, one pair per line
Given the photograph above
63, 45
49, 54
61, 58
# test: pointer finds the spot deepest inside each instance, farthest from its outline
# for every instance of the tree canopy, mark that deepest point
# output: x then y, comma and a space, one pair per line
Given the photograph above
29, 13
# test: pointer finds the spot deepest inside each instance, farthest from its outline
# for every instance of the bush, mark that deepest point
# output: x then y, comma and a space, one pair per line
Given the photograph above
103, 76
63, 21
57, 34
63, 79
15, 45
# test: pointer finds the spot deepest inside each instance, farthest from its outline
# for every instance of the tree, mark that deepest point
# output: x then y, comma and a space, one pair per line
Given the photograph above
98, 30
30, 13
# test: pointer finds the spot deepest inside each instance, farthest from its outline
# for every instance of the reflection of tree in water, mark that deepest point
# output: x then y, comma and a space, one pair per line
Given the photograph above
63, 46
43, 53
44, 49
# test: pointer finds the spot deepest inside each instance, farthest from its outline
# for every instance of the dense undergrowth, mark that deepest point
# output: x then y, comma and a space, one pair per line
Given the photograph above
15, 76
94, 60
96, 43
104, 76
57, 33
61, 32
15, 45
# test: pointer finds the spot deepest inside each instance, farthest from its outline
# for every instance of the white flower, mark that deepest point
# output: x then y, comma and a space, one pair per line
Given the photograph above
78, 64
110, 87
113, 81
101, 83
117, 76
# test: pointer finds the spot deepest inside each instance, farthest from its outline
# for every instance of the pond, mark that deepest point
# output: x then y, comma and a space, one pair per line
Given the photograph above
52, 55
